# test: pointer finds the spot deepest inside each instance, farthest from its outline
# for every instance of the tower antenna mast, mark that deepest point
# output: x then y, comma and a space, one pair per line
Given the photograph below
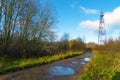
102, 30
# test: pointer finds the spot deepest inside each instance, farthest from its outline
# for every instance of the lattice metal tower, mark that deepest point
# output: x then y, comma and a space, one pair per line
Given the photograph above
102, 30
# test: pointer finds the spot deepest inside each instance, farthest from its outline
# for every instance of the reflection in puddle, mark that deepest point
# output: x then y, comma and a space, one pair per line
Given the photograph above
87, 59
74, 62
83, 62
61, 71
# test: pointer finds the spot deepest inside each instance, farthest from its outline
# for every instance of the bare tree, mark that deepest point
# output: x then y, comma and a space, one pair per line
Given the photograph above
45, 22
10, 18
24, 23
64, 42
9, 12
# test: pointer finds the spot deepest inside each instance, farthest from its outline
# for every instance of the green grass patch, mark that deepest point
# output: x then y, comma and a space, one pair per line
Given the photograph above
103, 66
14, 64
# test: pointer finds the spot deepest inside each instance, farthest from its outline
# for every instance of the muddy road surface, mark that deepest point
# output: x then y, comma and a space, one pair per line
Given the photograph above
67, 69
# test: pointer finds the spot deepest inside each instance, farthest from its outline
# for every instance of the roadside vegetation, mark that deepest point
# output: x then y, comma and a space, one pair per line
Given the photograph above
14, 64
28, 35
105, 65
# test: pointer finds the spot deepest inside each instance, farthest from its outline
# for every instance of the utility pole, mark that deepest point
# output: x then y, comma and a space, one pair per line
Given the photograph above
102, 30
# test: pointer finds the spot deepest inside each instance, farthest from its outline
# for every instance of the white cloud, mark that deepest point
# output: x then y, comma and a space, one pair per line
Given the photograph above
111, 19
89, 11
90, 24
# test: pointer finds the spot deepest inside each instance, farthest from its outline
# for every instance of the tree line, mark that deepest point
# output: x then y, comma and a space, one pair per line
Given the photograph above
110, 46
27, 30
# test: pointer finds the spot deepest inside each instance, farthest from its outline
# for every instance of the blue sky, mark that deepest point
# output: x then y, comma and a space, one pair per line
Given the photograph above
81, 18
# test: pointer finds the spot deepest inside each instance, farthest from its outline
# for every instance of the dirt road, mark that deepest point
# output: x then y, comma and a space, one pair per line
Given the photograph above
68, 69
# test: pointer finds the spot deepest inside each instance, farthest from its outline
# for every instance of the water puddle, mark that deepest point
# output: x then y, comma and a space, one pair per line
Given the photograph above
87, 59
83, 63
84, 60
74, 62
61, 71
